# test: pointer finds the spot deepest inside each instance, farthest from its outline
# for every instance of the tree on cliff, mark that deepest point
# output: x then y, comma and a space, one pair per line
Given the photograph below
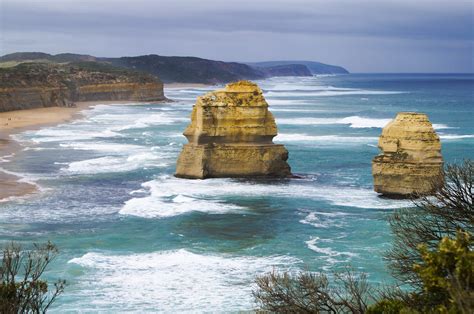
21, 288
432, 252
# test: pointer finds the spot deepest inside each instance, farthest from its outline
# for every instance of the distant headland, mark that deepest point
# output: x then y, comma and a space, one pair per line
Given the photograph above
171, 69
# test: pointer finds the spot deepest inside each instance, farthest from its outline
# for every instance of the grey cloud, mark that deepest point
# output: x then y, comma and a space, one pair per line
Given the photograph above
245, 30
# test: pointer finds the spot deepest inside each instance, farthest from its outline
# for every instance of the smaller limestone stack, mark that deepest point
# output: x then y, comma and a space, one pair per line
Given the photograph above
230, 135
411, 157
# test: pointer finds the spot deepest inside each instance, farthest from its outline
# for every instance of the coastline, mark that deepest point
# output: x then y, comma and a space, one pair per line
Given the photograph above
184, 85
13, 122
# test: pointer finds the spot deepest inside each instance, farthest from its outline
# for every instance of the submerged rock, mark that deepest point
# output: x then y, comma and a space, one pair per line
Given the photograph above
411, 161
230, 135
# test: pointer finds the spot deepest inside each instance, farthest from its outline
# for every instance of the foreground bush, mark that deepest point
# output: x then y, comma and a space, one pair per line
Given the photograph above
432, 253
21, 288
447, 276
450, 209
313, 293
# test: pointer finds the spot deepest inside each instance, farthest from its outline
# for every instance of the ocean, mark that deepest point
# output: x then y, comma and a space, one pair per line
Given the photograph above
132, 237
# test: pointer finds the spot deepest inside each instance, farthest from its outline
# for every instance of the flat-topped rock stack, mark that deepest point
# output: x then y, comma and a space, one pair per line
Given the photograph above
411, 159
230, 135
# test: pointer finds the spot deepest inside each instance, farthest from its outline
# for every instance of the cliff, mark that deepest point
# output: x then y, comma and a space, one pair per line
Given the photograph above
286, 70
36, 85
186, 69
411, 159
312, 66
230, 135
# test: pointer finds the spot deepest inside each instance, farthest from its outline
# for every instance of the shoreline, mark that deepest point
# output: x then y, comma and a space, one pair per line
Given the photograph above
14, 122
185, 85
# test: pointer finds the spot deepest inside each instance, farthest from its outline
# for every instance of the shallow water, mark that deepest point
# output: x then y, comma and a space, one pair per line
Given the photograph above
134, 237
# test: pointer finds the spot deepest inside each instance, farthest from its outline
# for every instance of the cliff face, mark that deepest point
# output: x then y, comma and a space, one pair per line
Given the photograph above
286, 70
230, 135
411, 157
313, 67
36, 85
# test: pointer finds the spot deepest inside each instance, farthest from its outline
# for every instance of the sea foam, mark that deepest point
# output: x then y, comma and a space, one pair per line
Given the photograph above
173, 281
210, 196
109, 164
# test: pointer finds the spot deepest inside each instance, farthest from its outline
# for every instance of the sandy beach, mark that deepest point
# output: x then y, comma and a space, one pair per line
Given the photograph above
12, 122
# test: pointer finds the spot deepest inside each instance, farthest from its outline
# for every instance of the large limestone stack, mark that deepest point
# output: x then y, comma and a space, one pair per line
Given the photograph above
230, 135
410, 159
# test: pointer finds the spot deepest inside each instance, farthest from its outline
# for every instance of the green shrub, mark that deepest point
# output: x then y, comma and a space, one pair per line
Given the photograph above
21, 288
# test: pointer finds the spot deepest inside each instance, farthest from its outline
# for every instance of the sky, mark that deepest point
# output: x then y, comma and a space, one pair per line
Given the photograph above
361, 35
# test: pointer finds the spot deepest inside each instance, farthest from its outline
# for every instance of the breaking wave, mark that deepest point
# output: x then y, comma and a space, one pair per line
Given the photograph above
173, 281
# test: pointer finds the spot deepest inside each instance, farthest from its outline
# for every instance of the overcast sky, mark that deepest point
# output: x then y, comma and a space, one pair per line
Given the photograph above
361, 35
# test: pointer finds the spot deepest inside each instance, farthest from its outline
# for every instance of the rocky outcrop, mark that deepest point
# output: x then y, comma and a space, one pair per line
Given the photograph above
230, 135
411, 159
36, 85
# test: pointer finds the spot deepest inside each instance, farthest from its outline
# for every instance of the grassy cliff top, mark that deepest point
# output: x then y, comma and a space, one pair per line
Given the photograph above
39, 74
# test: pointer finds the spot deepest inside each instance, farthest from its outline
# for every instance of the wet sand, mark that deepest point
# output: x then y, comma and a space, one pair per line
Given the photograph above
12, 122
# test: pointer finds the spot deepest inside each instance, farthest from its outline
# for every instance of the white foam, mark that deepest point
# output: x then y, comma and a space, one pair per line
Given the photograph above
439, 126
360, 122
455, 136
329, 93
352, 121
6, 158
356, 122
306, 121
150, 120
210, 196
64, 135
171, 281
294, 110
109, 164
323, 139
299, 87
101, 146
327, 251
22, 177
324, 220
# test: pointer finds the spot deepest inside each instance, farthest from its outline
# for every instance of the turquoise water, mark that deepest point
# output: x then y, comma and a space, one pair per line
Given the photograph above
133, 237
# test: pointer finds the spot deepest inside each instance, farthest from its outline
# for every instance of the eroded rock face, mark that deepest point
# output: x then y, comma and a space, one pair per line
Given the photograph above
411, 157
230, 135
31, 85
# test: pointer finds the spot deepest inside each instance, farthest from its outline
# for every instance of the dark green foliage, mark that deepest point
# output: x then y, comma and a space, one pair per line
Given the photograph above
386, 306
188, 69
450, 209
41, 74
432, 253
447, 275
21, 288
313, 293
